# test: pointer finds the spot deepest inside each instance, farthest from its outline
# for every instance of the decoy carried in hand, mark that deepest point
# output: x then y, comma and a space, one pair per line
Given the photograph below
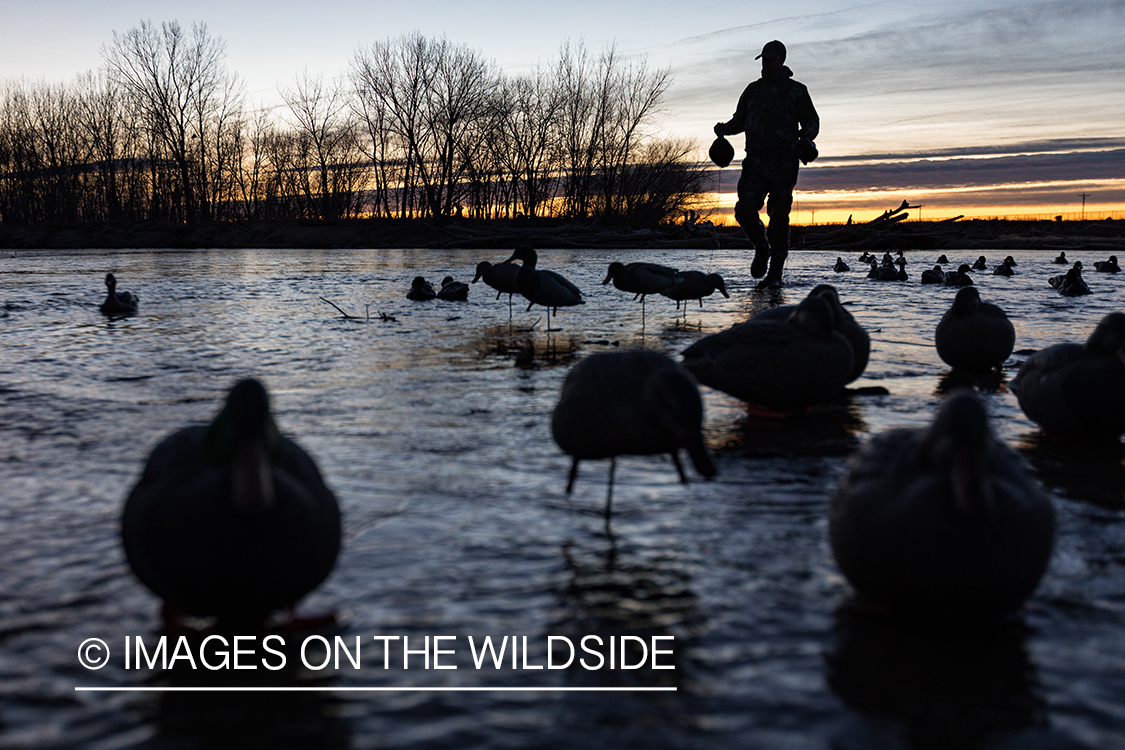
545, 288
630, 403
945, 521
453, 291
973, 335
1078, 390
420, 290
231, 519
117, 303
695, 285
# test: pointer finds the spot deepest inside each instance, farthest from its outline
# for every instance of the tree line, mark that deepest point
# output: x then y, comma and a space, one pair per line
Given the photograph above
417, 127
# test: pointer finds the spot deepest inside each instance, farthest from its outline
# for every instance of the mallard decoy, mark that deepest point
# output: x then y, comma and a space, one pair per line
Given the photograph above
545, 288
980, 264
695, 285
974, 335
841, 319
630, 403
1061, 259
890, 273
1005, 268
231, 519
784, 365
942, 259
453, 291
933, 276
944, 521
118, 303
960, 277
841, 266
866, 257
499, 276
1070, 284
1107, 266
420, 290
1078, 390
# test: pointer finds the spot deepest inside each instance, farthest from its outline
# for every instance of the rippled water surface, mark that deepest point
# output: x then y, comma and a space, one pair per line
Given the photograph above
439, 449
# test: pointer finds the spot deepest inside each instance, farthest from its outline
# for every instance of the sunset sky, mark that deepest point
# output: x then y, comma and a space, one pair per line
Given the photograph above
985, 107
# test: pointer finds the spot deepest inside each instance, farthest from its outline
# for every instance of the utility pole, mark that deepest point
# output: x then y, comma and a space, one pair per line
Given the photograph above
1084, 196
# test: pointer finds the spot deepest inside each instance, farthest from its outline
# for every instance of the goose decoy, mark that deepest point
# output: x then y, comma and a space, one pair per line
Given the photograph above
1107, 266
1005, 268
453, 291
943, 521
841, 266
783, 365
499, 276
420, 290
933, 276
641, 279
1078, 390
841, 319
1070, 284
974, 335
117, 303
980, 264
1061, 259
942, 259
960, 277
695, 285
545, 288
629, 403
231, 519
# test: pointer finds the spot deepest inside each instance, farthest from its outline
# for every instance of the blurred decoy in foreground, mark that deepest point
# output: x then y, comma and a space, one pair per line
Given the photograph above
933, 276
1071, 283
944, 521
973, 335
960, 277
630, 403
1006, 268
453, 291
841, 266
1061, 259
545, 288
1107, 266
695, 285
499, 276
1078, 390
420, 290
780, 364
117, 303
231, 519
980, 264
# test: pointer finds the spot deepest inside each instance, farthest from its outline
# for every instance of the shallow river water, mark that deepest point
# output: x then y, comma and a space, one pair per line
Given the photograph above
438, 447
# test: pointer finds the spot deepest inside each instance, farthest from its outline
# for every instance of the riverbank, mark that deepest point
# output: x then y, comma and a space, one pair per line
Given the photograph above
996, 234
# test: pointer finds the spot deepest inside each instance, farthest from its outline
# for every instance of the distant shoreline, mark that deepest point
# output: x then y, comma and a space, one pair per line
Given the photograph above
998, 234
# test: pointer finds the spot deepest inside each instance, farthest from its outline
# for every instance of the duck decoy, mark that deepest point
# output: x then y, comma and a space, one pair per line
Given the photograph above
841, 319
1061, 259
960, 277
420, 290
865, 257
890, 273
933, 276
782, 365
453, 291
1107, 266
980, 264
630, 403
1071, 283
944, 521
1005, 268
231, 519
974, 335
695, 285
118, 303
545, 288
499, 276
1077, 390
841, 266
942, 259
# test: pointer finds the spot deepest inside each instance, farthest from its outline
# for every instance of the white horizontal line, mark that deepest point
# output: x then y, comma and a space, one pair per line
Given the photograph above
228, 689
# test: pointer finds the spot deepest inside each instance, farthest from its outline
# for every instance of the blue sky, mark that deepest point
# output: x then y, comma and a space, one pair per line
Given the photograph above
894, 81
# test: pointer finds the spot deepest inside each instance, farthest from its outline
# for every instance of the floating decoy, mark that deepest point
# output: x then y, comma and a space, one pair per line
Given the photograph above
960, 277
783, 365
630, 403
695, 285
499, 276
1061, 259
231, 519
933, 276
944, 521
942, 259
974, 335
890, 273
545, 288
866, 257
453, 291
841, 266
980, 264
1071, 283
1005, 268
420, 290
1107, 266
117, 303
1078, 390
841, 319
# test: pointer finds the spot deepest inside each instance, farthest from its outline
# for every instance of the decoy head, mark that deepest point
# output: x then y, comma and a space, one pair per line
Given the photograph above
966, 302
447, 281
110, 281
615, 268
1113, 259
964, 268
815, 317
482, 269
981, 260
1010, 261
1077, 265
959, 444
1108, 336
244, 436
419, 281
526, 254
717, 282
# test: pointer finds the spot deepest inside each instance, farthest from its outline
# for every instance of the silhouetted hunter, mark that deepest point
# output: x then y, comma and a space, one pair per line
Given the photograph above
780, 123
